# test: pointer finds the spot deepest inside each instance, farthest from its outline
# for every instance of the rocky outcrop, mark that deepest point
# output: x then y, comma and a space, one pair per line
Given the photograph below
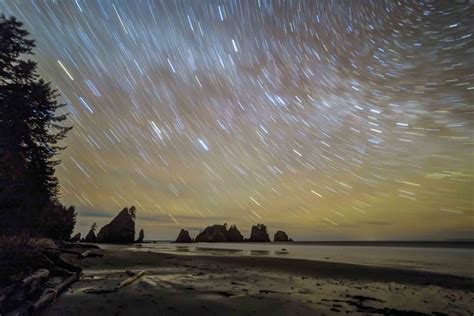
281, 236
76, 237
183, 237
90, 237
219, 233
214, 233
259, 234
121, 229
141, 236
234, 235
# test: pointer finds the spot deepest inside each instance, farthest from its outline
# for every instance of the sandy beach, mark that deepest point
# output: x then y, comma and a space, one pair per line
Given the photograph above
222, 285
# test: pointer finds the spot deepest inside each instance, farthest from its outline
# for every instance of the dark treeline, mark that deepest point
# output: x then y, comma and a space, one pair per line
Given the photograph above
30, 132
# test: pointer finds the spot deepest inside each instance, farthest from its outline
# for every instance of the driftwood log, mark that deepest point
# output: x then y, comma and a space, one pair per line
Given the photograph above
89, 254
85, 254
100, 291
134, 276
56, 258
37, 275
131, 279
65, 244
51, 294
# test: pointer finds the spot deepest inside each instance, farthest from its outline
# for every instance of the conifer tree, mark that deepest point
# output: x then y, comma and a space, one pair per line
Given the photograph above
30, 129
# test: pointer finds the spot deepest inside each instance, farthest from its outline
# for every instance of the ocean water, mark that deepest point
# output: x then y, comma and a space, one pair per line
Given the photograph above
448, 257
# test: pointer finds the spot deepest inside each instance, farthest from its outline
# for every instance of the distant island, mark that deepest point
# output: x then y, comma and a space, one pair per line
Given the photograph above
220, 233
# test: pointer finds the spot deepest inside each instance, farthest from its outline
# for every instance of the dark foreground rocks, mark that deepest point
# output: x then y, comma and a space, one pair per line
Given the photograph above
43, 270
183, 237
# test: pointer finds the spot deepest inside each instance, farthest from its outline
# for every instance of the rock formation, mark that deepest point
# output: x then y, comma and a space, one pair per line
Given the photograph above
215, 233
259, 234
281, 236
141, 236
76, 237
121, 229
233, 234
219, 233
90, 237
183, 237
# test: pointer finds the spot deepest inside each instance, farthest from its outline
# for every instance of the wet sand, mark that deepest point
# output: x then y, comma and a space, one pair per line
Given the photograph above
210, 285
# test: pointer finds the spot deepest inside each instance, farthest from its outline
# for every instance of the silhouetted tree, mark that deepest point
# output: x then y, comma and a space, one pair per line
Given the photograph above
262, 227
29, 134
133, 212
93, 227
59, 222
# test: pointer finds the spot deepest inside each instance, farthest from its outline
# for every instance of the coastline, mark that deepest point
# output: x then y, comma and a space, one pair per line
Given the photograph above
203, 285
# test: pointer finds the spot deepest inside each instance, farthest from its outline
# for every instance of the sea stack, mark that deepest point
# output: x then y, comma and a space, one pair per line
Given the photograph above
141, 236
76, 238
121, 229
281, 236
90, 236
183, 237
214, 233
259, 234
234, 235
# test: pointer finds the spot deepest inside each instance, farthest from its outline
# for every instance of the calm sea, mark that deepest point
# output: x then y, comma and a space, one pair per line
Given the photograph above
455, 258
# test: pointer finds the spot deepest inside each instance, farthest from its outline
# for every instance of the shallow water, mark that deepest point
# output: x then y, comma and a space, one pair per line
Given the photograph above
456, 261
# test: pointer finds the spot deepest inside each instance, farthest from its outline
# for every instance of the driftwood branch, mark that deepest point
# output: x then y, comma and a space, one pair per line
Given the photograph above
89, 254
131, 279
100, 291
37, 275
134, 276
85, 254
51, 294
56, 258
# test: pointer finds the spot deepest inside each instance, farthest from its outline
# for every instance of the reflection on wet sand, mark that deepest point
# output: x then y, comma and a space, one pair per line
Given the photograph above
182, 248
259, 252
283, 251
218, 250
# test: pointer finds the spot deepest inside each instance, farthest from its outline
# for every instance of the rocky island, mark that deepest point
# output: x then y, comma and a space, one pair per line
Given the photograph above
220, 233
281, 236
183, 237
121, 230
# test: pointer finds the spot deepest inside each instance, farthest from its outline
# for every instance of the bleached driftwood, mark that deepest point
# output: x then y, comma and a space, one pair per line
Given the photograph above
37, 275
131, 279
134, 277
51, 294
90, 254
85, 254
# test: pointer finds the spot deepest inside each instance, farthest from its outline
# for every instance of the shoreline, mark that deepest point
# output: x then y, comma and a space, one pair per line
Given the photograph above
176, 284
451, 244
457, 261
340, 270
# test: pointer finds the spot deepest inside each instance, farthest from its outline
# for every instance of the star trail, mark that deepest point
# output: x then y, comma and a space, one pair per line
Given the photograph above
328, 119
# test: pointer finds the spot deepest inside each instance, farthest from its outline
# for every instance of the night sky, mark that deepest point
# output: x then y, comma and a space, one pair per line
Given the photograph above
327, 119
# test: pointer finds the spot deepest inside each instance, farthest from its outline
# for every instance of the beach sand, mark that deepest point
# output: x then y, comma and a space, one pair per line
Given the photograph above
210, 285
